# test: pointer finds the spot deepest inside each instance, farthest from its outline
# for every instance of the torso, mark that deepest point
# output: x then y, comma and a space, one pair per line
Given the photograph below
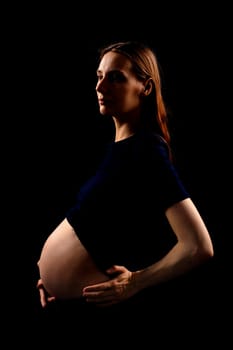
65, 265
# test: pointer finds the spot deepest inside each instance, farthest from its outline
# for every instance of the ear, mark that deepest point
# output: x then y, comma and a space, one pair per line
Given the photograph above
148, 86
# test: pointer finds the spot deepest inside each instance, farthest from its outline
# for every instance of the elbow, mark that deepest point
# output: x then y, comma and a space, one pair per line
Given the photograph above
207, 249
203, 252
207, 253
211, 251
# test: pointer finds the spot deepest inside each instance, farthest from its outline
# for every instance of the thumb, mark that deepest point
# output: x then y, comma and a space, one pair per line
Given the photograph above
115, 269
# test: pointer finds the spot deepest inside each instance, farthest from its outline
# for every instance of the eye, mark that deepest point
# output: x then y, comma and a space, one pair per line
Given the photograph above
99, 77
115, 77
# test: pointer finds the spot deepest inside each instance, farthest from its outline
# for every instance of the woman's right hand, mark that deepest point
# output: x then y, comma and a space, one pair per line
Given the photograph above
45, 298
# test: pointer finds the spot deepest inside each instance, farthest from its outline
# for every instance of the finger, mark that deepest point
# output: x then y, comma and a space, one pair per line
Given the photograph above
39, 284
49, 299
43, 299
97, 287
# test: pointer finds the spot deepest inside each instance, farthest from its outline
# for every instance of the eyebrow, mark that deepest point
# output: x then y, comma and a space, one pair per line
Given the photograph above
111, 71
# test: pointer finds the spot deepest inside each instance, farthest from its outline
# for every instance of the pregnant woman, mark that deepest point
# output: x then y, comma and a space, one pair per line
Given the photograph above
134, 225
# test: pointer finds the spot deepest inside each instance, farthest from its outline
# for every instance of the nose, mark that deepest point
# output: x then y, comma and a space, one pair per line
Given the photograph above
101, 85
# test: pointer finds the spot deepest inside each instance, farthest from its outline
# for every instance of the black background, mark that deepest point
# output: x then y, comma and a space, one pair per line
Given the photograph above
57, 131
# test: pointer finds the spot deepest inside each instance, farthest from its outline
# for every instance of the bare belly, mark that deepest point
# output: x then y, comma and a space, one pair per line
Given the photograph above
65, 266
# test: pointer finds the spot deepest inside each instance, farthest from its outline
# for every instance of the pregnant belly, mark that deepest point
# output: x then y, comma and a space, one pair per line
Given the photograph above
65, 266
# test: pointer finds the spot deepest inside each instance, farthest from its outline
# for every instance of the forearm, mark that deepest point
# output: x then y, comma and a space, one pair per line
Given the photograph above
177, 262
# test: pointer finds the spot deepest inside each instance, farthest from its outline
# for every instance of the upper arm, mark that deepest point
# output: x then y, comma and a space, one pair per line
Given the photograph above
189, 227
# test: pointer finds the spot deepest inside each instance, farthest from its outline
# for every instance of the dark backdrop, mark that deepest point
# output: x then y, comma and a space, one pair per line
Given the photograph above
61, 132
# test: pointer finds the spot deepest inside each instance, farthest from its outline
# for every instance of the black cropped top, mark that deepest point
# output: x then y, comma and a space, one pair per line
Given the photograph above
119, 215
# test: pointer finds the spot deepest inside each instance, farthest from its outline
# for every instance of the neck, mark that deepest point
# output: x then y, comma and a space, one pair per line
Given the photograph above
124, 130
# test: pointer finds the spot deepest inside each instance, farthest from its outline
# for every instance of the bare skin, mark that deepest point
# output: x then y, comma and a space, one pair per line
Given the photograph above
65, 266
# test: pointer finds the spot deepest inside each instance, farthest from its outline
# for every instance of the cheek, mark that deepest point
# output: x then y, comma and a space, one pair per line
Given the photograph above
133, 98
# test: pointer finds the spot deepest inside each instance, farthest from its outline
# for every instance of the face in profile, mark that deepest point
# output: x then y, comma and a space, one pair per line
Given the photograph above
118, 89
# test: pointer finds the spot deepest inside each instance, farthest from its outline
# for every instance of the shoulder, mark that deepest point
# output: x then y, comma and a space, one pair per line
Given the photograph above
153, 144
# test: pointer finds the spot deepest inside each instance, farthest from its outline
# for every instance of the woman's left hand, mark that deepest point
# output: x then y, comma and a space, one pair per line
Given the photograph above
119, 288
45, 298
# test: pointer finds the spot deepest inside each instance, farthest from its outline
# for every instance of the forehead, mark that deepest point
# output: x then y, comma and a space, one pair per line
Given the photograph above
114, 61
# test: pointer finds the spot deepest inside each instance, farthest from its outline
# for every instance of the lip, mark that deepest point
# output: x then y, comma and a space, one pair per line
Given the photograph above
103, 101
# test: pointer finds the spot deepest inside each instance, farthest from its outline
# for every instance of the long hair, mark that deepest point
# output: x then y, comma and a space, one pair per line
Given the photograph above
145, 66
